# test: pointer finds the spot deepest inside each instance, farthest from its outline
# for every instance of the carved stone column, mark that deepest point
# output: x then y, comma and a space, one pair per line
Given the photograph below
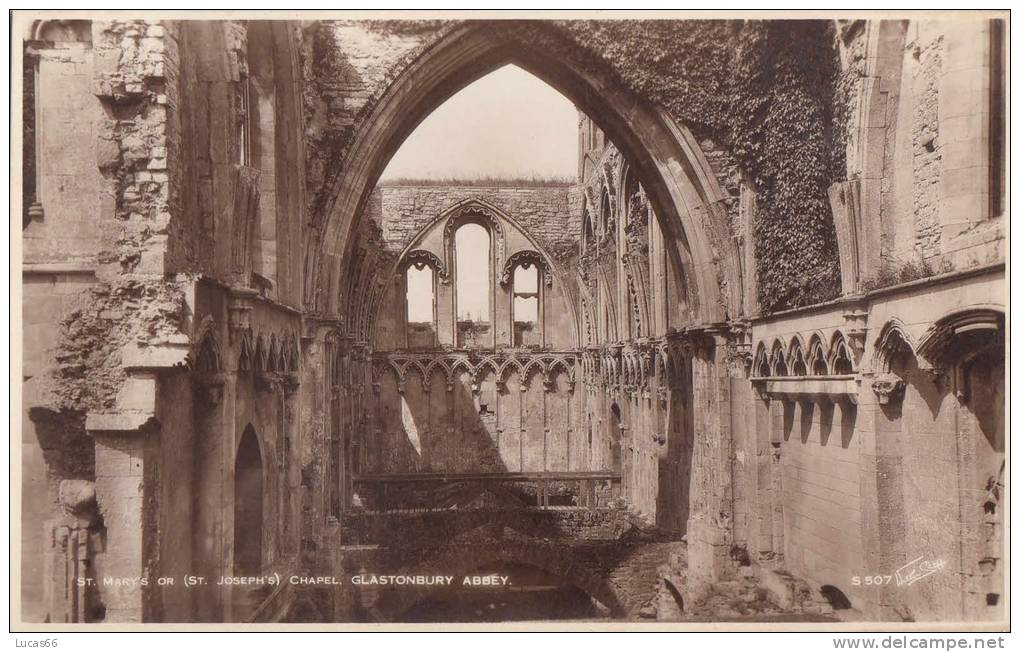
710, 525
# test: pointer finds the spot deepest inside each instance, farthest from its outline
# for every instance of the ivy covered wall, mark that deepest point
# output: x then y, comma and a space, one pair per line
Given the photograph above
765, 91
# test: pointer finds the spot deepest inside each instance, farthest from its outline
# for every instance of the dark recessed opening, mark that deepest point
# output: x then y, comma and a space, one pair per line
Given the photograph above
836, 598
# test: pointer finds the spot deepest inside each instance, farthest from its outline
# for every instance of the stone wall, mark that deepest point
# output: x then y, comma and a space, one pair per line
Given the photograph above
484, 422
524, 219
544, 212
923, 154
848, 477
239, 120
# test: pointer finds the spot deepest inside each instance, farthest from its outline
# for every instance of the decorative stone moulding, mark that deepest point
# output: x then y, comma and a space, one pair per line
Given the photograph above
239, 310
888, 388
795, 388
741, 342
856, 330
845, 200
474, 210
422, 258
526, 258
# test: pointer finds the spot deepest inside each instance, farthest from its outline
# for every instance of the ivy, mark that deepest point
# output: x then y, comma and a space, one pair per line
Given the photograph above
767, 91
782, 134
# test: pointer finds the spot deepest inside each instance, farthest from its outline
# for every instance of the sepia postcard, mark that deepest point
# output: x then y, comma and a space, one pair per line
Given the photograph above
510, 320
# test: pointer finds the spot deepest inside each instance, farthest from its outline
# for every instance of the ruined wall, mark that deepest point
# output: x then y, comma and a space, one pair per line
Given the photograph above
928, 161
120, 100
415, 217
633, 294
821, 494
543, 212
698, 94
480, 423
239, 124
175, 479
346, 65
846, 476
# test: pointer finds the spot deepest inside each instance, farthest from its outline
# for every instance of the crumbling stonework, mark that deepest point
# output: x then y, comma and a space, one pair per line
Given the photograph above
926, 145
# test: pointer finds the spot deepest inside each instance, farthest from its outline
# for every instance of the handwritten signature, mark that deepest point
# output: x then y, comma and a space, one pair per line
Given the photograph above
917, 569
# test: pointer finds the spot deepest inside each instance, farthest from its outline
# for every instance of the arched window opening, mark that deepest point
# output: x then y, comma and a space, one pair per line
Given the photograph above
762, 368
420, 301
526, 306
248, 488
474, 283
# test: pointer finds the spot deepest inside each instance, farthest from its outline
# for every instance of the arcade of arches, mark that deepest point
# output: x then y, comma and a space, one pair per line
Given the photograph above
243, 357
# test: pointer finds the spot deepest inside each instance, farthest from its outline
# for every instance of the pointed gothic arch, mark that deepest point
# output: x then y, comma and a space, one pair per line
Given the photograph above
249, 488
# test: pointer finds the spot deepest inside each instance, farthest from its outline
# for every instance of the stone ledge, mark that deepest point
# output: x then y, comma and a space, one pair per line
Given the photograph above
162, 356
806, 386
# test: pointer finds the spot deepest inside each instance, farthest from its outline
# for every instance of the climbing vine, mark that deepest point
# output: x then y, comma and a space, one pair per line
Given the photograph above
782, 123
766, 90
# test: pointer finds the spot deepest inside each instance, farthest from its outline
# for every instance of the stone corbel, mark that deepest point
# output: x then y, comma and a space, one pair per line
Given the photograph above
135, 408
889, 388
